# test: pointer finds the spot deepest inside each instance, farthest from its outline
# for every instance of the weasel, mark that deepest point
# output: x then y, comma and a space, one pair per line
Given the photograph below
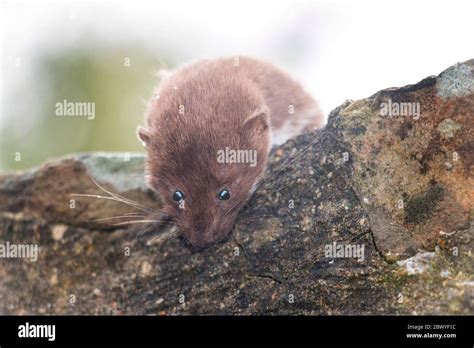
208, 132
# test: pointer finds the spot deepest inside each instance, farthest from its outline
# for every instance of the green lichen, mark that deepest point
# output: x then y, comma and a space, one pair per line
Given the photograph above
123, 170
448, 128
456, 81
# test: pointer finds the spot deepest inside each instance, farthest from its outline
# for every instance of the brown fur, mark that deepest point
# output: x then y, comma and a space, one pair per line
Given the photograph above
237, 107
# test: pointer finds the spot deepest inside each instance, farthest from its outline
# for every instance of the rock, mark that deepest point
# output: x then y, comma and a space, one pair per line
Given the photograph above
399, 160
320, 236
418, 263
49, 192
58, 231
448, 128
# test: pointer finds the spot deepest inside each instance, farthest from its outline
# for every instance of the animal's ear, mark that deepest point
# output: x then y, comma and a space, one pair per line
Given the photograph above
143, 135
258, 120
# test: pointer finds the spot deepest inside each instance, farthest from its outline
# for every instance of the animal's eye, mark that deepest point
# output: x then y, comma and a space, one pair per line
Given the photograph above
224, 195
178, 196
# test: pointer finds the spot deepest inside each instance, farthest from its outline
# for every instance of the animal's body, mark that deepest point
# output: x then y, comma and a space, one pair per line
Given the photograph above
202, 114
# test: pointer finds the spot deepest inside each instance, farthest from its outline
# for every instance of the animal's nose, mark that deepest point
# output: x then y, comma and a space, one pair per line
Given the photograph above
200, 244
203, 238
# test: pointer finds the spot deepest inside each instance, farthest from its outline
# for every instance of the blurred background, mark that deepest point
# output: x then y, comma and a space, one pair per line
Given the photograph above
108, 53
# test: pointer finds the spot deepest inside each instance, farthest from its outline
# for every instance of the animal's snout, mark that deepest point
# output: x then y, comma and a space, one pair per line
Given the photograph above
200, 245
203, 238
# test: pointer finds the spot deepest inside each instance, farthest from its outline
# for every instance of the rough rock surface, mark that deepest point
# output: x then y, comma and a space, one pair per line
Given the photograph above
401, 186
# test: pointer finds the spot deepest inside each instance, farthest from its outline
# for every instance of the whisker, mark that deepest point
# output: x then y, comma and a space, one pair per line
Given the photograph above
164, 237
118, 217
116, 195
147, 210
142, 222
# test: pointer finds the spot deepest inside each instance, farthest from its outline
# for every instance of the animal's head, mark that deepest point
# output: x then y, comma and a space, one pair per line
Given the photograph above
205, 171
